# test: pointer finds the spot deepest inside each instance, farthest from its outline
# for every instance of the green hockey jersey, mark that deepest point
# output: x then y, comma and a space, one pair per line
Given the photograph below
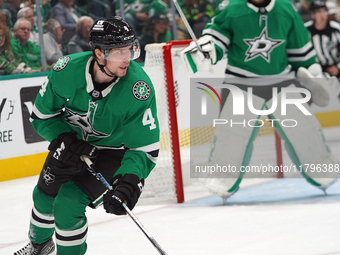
270, 40
123, 115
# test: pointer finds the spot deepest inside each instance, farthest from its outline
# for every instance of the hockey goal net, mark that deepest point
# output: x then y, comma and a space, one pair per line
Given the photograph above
178, 138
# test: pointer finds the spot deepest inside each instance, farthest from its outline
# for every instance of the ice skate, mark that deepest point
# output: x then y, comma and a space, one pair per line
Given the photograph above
37, 249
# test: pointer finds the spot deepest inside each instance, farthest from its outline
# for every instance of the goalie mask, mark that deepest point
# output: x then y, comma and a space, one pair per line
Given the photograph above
112, 33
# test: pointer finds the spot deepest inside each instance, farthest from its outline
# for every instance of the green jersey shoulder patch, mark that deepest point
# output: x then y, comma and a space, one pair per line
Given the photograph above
223, 5
61, 63
141, 90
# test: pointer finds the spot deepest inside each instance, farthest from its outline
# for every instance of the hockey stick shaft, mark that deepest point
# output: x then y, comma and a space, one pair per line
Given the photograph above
186, 23
128, 211
191, 32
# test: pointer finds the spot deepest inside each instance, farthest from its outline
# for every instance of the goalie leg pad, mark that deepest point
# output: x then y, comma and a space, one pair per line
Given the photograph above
306, 146
232, 147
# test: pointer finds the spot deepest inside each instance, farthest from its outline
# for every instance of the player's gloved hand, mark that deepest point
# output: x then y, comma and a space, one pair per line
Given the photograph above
68, 148
194, 60
322, 86
126, 189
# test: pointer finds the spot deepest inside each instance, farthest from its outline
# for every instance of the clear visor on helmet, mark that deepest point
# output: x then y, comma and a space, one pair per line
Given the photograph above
127, 53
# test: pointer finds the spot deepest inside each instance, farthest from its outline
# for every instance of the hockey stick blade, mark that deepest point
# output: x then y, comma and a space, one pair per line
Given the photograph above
100, 177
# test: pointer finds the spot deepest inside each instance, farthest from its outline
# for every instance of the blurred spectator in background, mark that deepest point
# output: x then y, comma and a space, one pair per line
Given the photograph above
302, 7
105, 9
67, 17
333, 10
325, 36
5, 14
27, 3
8, 63
22, 48
2, 3
13, 6
52, 40
198, 13
102, 9
46, 10
80, 41
54, 2
138, 12
27, 13
5, 18
156, 31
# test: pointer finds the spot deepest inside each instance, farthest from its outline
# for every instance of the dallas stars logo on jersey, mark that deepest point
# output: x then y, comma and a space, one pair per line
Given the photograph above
61, 63
141, 90
261, 46
83, 122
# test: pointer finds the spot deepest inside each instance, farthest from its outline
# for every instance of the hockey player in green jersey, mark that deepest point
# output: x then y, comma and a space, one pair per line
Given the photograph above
100, 104
266, 45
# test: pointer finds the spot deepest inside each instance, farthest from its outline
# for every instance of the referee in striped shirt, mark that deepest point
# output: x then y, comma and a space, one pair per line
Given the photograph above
325, 36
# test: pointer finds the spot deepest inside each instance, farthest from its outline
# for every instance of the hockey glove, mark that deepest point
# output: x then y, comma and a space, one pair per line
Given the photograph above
195, 60
67, 148
126, 189
322, 86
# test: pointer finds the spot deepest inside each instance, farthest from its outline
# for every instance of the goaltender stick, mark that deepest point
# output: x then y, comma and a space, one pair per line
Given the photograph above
100, 104
265, 42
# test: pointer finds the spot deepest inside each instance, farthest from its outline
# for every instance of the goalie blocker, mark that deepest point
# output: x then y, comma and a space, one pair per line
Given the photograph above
323, 87
305, 144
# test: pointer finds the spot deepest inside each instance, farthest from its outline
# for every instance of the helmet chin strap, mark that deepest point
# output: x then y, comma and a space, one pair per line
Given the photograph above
101, 67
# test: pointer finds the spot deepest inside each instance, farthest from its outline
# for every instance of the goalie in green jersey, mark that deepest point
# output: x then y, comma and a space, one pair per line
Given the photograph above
267, 47
100, 104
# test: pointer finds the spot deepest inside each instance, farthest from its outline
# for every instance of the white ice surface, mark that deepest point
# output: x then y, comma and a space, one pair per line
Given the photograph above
286, 216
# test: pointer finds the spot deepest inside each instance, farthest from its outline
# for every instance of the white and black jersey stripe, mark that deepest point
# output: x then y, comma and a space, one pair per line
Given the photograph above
301, 54
37, 115
71, 237
219, 39
326, 43
150, 150
41, 220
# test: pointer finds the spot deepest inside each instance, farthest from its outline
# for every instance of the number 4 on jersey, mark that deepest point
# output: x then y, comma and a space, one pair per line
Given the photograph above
148, 119
43, 88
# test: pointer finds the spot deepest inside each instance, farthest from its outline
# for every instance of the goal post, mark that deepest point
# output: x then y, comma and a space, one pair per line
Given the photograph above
158, 65
169, 77
278, 148
178, 138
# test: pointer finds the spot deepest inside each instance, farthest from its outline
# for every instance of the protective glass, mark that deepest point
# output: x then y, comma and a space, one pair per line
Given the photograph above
123, 54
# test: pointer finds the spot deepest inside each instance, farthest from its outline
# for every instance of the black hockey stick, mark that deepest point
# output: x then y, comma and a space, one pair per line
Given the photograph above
100, 177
